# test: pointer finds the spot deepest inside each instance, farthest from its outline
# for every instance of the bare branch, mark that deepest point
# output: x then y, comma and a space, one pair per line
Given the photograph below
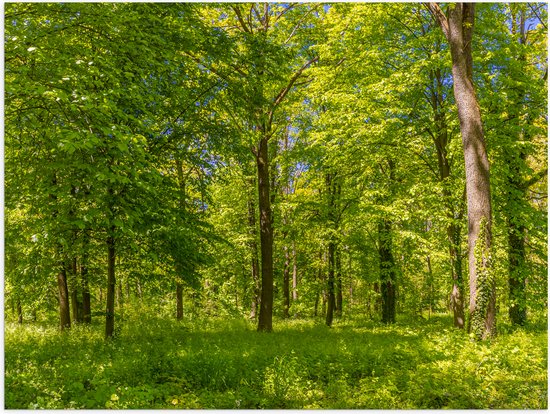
287, 8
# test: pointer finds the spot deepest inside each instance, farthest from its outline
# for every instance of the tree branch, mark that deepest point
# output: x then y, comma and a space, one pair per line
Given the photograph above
438, 14
240, 18
535, 179
281, 95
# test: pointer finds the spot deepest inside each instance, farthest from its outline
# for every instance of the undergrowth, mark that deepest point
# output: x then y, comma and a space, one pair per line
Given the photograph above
212, 363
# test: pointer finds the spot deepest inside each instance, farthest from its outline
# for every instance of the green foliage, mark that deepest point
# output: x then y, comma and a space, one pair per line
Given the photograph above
224, 363
485, 282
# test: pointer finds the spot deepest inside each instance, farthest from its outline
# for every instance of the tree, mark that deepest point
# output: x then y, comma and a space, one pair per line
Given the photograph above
458, 28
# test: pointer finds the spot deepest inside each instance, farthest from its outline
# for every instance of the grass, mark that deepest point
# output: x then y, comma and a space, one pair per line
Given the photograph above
214, 363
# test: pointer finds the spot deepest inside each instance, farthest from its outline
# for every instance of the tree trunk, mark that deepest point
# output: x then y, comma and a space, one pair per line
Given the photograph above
253, 246
76, 304
294, 278
64, 309
458, 29
266, 238
339, 292
86, 299
19, 312
179, 301
331, 301
111, 284
387, 271
441, 141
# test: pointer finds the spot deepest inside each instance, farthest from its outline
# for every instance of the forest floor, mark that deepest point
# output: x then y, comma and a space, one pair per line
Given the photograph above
156, 362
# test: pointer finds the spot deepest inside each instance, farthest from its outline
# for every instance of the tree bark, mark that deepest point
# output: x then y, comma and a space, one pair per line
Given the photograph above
86, 298
331, 301
294, 277
331, 186
76, 304
458, 28
111, 285
339, 291
387, 271
266, 238
64, 309
19, 312
253, 246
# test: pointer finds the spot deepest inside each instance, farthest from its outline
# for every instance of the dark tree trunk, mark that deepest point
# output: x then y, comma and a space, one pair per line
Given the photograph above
333, 222
76, 304
111, 285
294, 277
19, 312
387, 271
339, 292
86, 298
253, 245
331, 301
266, 238
179, 301
64, 308
458, 28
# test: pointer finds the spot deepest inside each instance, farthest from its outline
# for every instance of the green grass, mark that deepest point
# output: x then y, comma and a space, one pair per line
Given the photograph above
160, 363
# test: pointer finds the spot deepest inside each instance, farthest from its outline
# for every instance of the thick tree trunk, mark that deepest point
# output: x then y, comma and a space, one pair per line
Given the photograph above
387, 271
111, 285
253, 246
482, 284
266, 238
179, 301
458, 28
64, 308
